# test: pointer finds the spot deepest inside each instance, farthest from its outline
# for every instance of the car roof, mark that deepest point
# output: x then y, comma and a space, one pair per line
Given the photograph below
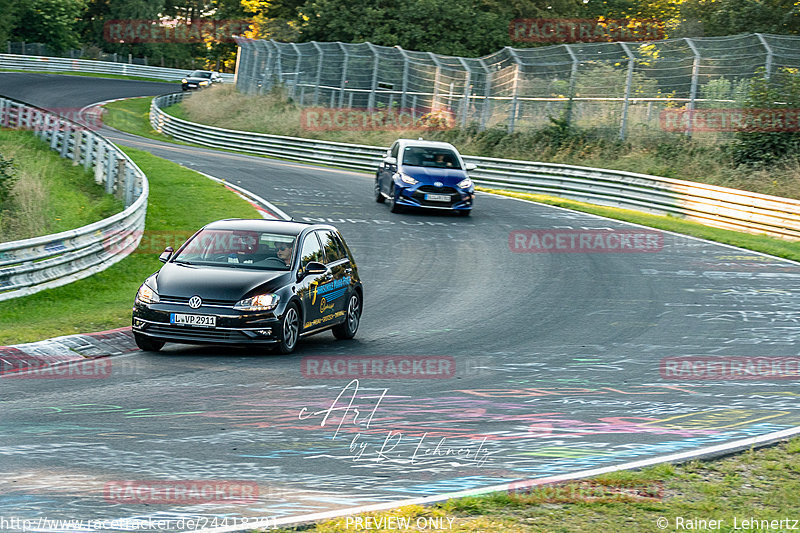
429, 144
283, 227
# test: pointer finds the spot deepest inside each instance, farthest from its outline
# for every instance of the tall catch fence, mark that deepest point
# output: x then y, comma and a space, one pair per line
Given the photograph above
619, 86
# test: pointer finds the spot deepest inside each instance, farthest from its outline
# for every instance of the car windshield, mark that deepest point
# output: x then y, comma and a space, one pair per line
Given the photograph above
425, 156
238, 249
200, 74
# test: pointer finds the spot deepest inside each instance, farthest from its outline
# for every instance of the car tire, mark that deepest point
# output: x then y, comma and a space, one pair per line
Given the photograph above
348, 328
378, 194
464, 212
289, 331
393, 205
146, 344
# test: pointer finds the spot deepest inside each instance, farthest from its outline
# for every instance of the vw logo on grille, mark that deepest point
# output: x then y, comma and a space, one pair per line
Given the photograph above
195, 302
438, 183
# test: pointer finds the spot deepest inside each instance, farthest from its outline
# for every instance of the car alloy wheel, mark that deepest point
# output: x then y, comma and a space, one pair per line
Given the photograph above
290, 329
393, 205
347, 330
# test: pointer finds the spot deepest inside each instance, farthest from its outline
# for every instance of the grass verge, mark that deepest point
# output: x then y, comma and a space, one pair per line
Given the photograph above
90, 75
104, 300
758, 243
757, 484
50, 194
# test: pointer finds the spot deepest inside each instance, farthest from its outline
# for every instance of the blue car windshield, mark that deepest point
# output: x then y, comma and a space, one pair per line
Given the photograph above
424, 156
238, 249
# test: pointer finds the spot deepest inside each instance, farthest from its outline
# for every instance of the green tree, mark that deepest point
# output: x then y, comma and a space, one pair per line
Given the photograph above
52, 22
452, 27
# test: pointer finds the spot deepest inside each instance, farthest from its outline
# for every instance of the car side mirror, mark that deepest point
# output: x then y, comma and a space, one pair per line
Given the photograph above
470, 166
166, 254
390, 160
311, 268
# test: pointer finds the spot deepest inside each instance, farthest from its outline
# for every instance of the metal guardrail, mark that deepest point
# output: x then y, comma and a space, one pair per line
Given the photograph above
719, 207
63, 64
31, 265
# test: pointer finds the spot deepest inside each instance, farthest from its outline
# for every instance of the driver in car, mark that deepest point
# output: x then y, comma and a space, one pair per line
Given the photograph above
284, 251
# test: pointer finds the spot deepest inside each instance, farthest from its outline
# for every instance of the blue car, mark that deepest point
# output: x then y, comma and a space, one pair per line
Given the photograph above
425, 174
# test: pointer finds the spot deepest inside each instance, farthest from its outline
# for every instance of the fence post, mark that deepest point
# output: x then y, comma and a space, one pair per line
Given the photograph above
693, 89
99, 167
436, 79
374, 90
319, 72
404, 88
512, 113
768, 59
343, 80
572, 79
629, 81
487, 93
278, 61
467, 86
296, 70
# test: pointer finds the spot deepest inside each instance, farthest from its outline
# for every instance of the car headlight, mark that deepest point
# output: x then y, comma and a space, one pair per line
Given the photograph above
204, 83
465, 183
184, 80
262, 302
406, 178
147, 295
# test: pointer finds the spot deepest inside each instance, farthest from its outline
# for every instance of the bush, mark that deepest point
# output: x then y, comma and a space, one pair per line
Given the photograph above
757, 148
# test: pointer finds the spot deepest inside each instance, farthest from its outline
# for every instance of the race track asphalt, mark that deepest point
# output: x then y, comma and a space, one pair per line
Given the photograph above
561, 362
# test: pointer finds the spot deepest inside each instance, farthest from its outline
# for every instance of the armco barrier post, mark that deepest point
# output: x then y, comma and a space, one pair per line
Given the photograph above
76, 149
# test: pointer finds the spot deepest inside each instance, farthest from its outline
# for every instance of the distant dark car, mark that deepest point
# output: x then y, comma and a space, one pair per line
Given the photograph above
199, 79
425, 174
263, 282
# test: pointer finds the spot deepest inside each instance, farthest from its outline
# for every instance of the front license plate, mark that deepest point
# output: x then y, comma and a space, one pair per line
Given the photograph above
204, 321
437, 197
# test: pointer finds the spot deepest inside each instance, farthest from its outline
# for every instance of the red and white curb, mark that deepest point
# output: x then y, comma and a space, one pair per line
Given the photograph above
69, 348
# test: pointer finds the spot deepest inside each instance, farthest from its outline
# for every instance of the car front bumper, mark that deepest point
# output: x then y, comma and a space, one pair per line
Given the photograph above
418, 197
232, 326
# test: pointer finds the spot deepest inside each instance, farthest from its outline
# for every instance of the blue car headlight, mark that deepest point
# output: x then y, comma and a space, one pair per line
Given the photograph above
465, 183
405, 178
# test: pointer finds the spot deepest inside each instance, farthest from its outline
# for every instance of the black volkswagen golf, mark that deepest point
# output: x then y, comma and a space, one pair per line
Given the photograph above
265, 282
